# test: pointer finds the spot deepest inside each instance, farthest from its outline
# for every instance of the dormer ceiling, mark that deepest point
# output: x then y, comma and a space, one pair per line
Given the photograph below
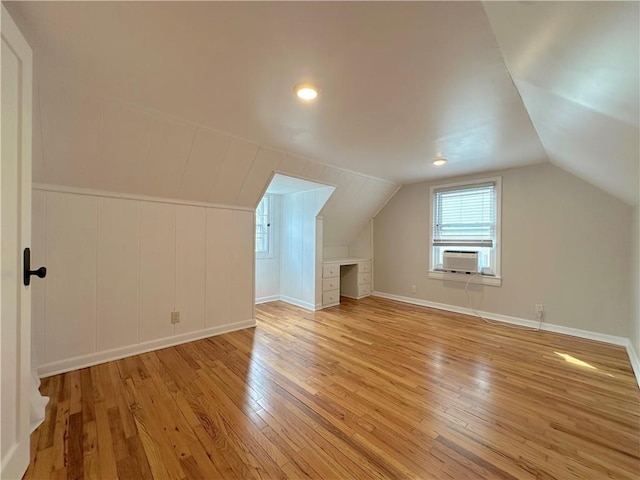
400, 84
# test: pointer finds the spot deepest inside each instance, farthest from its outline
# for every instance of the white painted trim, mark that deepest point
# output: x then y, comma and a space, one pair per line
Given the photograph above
128, 196
355, 298
577, 332
498, 247
574, 332
464, 278
633, 358
346, 261
298, 303
91, 359
271, 298
12, 462
328, 305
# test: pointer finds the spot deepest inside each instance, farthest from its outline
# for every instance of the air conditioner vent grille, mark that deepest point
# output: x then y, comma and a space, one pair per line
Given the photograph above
460, 262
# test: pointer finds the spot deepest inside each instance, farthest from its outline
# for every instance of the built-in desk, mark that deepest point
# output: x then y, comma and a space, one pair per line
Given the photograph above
350, 277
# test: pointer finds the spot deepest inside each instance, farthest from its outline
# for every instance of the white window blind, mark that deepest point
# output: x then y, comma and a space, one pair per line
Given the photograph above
465, 216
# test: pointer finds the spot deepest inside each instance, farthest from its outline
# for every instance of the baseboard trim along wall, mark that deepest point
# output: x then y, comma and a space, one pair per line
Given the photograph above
89, 360
549, 327
633, 358
272, 298
298, 303
292, 301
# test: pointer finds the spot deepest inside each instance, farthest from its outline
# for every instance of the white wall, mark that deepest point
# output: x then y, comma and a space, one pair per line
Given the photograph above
341, 251
300, 247
362, 245
268, 269
565, 244
635, 284
118, 267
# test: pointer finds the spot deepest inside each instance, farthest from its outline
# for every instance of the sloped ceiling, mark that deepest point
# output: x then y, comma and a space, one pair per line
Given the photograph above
194, 99
115, 146
576, 65
400, 82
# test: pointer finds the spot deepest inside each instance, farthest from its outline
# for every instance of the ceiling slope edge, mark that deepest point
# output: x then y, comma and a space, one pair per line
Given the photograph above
579, 96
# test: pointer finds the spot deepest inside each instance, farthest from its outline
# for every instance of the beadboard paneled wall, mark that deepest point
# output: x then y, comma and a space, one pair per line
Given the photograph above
117, 268
104, 144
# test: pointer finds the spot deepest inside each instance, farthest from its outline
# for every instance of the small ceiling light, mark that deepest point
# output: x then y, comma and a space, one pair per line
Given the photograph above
306, 91
439, 162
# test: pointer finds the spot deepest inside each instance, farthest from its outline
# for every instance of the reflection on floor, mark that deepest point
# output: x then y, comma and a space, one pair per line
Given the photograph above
367, 389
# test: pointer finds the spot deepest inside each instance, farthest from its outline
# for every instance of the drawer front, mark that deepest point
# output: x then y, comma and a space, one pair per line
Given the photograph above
330, 271
364, 278
364, 267
364, 290
330, 284
331, 297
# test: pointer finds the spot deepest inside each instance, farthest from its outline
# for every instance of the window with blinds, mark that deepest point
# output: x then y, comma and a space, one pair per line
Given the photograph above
263, 227
465, 219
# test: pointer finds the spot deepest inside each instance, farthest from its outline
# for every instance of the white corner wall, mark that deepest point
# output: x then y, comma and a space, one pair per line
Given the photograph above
565, 244
300, 248
117, 268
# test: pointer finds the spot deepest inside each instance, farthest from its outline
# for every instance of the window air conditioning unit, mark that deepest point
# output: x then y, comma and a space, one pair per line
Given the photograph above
460, 262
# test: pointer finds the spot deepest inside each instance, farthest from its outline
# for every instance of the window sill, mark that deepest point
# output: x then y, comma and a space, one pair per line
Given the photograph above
464, 278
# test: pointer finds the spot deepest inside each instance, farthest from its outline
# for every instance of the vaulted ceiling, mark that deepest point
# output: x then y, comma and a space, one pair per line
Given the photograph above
194, 99
576, 66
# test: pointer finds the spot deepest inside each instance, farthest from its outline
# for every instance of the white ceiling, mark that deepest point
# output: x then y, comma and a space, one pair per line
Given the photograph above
576, 66
400, 84
283, 184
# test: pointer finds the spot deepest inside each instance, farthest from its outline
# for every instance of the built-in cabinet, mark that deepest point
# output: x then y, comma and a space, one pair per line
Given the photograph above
350, 277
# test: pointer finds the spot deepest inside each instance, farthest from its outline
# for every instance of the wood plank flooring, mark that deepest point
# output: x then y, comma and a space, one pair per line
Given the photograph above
368, 389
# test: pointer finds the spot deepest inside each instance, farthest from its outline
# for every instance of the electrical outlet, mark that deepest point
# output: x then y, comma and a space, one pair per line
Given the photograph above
175, 317
539, 310
414, 289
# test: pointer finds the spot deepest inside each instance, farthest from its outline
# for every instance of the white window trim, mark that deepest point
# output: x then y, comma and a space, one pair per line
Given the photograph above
490, 280
269, 253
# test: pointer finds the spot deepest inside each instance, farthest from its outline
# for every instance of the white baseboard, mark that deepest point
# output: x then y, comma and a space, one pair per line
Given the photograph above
633, 358
292, 301
575, 332
272, 298
91, 359
298, 303
15, 462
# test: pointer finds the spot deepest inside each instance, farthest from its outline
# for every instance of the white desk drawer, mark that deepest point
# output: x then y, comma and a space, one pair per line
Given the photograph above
331, 297
364, 278
364, 290
364, 267
330, 284
330, 271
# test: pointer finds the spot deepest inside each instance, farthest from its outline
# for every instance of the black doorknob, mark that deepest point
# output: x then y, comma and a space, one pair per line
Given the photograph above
26, 261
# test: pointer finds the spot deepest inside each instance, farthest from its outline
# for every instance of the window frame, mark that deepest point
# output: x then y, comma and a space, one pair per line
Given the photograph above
491, 280
269, 235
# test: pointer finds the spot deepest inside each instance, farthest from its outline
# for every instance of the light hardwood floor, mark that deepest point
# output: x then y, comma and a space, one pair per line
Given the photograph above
368, 389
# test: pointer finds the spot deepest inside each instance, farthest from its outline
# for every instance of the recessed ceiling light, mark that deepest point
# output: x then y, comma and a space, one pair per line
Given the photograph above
439, 162
306, 91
